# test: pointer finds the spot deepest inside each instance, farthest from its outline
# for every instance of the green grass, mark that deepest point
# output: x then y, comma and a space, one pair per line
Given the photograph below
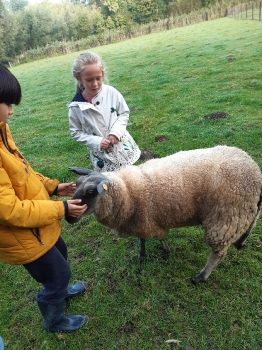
171, 80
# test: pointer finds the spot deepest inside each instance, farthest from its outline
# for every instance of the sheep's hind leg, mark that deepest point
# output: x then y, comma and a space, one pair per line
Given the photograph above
240, 243
142, 251
213, 260
166, 249
165, 246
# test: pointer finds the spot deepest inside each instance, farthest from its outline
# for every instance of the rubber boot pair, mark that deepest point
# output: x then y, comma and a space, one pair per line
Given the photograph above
55, 320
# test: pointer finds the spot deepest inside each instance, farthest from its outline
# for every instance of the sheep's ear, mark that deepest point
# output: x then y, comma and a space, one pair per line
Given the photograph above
80, 171
102, 187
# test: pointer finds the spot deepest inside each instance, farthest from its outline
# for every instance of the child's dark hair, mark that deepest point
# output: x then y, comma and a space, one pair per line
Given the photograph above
10, 89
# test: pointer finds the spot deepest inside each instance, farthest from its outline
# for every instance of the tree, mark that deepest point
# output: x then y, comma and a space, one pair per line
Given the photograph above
65, 21
116, 11
9, 35
2, 16
180, 7
147, 10
110, 24
98, 20
17, 5
84, 25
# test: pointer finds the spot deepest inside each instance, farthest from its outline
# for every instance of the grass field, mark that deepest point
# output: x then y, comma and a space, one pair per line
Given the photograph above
172, 81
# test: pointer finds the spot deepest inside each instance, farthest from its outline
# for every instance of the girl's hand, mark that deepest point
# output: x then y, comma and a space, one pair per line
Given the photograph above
66, 189
113, 139
74, 209
105, 143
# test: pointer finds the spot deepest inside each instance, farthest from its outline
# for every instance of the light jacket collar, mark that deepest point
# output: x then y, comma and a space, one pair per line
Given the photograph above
96, 100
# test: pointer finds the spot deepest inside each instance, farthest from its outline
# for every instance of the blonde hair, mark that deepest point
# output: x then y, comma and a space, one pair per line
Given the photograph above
83, 60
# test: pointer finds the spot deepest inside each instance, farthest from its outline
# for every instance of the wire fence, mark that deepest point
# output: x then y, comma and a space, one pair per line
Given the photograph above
250, 11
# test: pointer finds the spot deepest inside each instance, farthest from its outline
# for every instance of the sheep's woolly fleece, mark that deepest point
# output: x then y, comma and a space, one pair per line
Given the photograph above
218, 187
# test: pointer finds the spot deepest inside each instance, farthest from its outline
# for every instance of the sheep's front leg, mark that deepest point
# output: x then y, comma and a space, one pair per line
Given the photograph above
142, 251
213, 260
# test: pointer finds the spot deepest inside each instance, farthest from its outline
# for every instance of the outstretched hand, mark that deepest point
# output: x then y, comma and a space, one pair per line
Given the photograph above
74, 209
66, 189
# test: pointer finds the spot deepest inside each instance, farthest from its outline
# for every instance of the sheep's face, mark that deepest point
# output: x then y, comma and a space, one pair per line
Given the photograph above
88, 188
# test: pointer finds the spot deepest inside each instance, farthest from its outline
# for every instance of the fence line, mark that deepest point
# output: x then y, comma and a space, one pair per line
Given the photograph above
250, 11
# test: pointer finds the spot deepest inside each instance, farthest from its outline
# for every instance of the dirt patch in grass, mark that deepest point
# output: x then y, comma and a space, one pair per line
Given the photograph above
216, 115
161, 138
146, 155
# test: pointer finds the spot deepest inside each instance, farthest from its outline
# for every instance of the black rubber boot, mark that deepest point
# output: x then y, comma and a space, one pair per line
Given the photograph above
57, 321
75, 289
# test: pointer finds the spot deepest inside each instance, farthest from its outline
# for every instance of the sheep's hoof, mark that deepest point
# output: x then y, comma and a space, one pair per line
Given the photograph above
240, 243
194, 281
198, 278
239, 246
141, 257
165, 254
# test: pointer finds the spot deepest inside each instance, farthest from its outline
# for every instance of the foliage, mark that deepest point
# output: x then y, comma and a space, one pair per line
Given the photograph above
171, 81
17, 5
26, 26
180, 7
2, 17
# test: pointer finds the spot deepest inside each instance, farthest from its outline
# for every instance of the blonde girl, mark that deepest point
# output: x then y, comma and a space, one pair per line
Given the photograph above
98, 116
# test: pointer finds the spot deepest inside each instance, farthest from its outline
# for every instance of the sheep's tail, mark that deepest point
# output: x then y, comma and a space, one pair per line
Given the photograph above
239, 244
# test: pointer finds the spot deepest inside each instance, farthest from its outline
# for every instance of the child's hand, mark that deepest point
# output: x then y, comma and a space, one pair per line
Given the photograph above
74, 209
66, 189
113, 139
105, 143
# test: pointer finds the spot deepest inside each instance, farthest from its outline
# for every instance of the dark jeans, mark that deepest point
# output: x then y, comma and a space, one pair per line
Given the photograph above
53, 271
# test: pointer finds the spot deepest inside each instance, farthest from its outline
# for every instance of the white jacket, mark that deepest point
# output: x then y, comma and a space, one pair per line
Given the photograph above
90, 122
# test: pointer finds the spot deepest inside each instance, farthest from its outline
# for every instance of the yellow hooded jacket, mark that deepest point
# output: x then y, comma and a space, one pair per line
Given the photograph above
29, 220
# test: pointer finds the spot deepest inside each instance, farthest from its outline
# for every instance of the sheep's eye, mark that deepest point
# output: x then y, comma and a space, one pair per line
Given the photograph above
90, 192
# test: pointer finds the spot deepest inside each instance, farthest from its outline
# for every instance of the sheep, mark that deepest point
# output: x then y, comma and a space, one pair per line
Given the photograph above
218, 188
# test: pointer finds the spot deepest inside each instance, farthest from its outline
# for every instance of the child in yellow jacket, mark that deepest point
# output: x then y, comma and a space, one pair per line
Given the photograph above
30, 222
